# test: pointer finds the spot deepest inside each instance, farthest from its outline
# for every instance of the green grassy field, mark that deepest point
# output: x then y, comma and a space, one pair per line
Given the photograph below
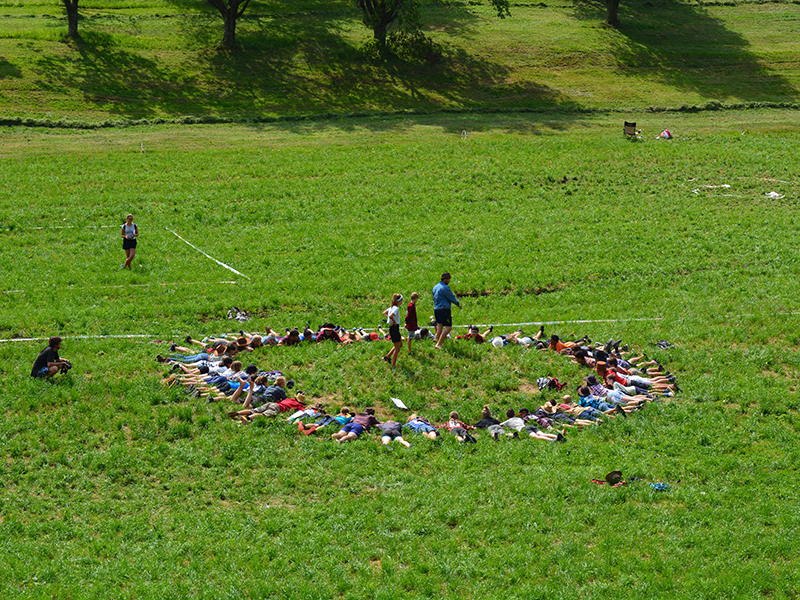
117, 486
161, 59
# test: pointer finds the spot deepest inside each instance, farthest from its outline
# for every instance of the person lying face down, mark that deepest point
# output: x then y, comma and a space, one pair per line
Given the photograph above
421, 425
360, 423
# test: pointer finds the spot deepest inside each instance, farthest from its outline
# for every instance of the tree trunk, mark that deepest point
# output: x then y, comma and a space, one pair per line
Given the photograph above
72, 17
379, 33
229, 33
611, 12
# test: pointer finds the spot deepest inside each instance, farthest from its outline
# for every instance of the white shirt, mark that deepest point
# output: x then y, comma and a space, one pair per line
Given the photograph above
393, 316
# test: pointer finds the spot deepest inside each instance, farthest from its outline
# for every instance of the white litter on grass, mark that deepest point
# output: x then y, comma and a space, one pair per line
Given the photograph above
774, 195
710, 187
222, 264
398, 403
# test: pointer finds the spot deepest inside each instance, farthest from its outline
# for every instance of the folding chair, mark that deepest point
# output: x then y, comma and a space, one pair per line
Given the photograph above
630, 129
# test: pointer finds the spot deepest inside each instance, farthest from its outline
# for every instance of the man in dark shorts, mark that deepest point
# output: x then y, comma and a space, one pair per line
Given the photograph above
48, 363
443, 298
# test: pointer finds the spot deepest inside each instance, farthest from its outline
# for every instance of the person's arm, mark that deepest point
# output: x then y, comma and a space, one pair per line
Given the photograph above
452, 298
122, 232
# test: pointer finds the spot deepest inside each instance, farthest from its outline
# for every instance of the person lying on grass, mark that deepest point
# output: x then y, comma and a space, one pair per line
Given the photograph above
519, 337
328, 332
360, 423
518, 425
421, 425
487, 420
391, 430
563, 414
567, 405
587, 399
562, 347
473, 333
270, 407
421, 334
344, 417
613, 396
657, 383
292, 338
459, 429
219, 349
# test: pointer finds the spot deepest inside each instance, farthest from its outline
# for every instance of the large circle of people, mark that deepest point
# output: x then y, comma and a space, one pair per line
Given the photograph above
619, 384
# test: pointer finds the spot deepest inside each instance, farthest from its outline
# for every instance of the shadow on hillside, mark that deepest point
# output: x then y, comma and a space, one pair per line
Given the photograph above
688, 48
9, 70
284, 65
110, 78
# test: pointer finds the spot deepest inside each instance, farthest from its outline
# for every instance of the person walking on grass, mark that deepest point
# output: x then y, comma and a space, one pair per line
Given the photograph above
443, 298
392, 315
48, 363
129, 234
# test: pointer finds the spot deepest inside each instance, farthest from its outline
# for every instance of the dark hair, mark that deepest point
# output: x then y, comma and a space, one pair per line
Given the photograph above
584, 390
251, 369
612, 361
226, 361
524, 410
423, 332
294, 332
510, 412
369, 411
54, 341
445, 275
591, 380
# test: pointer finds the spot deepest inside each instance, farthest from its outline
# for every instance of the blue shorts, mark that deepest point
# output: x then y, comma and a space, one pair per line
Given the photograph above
353, 428
443, 316
42, 373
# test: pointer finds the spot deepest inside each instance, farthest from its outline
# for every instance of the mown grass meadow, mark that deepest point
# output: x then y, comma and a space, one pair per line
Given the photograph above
117, 486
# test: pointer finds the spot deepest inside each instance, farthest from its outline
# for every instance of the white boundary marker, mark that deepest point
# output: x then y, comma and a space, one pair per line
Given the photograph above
129, 285
222, 264
581, 321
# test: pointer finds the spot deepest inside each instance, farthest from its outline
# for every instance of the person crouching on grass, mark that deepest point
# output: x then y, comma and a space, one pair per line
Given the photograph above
48, 363
392, 315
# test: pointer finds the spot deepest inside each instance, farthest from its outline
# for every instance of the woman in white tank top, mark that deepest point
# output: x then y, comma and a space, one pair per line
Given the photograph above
129, 234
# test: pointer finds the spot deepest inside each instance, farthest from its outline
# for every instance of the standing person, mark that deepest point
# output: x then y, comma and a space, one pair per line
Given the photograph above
443, 298
129, 234
411, 319
48, 363
392, 315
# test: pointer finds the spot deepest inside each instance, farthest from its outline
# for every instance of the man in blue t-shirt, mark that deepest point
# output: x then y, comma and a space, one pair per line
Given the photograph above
443, 298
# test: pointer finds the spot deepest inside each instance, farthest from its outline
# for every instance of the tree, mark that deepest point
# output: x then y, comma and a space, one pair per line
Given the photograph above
378, 15
72, 17
230, 11
611, 12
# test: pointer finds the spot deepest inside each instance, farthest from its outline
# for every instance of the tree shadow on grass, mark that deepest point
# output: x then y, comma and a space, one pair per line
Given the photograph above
9, 70
110, 78
284, 65
688, 48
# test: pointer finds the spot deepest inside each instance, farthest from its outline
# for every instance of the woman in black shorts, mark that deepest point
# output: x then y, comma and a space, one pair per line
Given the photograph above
392, 315
129, 234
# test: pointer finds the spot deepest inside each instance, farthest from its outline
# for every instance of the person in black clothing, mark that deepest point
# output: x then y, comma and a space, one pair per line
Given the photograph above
48, 363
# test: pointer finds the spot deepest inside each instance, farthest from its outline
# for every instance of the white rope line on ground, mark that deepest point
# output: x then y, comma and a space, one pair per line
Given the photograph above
581, 321
128, 285
222, 264
75, 227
